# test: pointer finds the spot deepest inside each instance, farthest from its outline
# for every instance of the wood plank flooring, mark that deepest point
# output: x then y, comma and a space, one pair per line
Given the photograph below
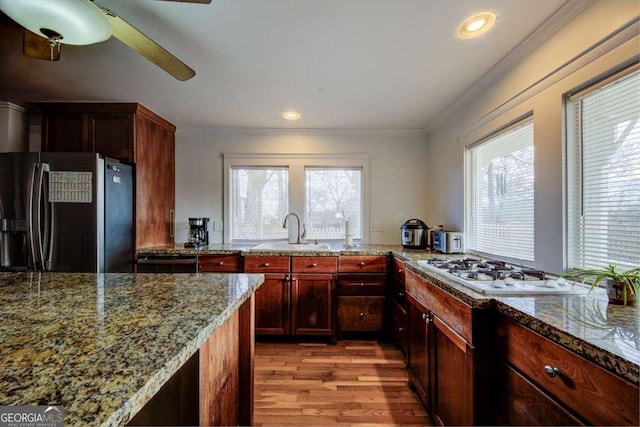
352, 383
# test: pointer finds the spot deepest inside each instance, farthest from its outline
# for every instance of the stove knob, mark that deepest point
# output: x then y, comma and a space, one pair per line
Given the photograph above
498, 283
561, 281
510, 281
550, 284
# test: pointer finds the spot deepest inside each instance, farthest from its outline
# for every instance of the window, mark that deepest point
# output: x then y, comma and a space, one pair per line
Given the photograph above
324, 191
603, 174
501, 196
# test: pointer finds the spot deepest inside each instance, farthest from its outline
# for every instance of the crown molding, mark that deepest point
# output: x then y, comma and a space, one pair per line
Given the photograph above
12, 106
371, 132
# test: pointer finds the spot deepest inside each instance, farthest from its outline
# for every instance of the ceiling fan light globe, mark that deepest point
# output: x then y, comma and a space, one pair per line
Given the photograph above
79, 22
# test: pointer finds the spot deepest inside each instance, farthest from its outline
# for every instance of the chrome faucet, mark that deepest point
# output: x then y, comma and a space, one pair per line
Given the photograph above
301, 237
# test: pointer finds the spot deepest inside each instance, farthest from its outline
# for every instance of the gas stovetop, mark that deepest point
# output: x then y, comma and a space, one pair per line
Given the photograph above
496, 277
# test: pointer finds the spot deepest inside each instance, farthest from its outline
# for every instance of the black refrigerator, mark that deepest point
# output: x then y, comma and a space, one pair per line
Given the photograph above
65, 212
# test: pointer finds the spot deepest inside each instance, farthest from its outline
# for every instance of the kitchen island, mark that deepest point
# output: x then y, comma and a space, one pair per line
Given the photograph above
103, 345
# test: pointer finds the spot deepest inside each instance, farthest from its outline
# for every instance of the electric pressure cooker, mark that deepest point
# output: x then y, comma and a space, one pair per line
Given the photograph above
414, 234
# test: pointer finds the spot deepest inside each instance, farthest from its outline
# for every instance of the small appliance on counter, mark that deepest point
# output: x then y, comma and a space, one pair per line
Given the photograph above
447, 242
414, 234
198, 236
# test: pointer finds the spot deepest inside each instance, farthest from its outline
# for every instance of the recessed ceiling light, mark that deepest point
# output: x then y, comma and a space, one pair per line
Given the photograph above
291, 115
476, 25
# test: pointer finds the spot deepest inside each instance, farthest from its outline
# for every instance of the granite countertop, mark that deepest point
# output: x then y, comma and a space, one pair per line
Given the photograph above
235, 249
102, 345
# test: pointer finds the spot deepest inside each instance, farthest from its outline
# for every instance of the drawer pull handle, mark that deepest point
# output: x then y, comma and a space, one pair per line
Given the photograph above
400, 329
265, 264
361, 283
220, 263
314, 265
551, 371
361, 315
361, 263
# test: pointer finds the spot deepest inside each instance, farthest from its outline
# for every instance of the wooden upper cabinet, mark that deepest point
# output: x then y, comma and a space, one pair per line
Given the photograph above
132, 134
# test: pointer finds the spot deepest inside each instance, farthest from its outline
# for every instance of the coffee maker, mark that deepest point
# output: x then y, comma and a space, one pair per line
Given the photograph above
198, 235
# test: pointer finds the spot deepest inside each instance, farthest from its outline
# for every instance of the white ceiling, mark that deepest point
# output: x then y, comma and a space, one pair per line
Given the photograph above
340, 63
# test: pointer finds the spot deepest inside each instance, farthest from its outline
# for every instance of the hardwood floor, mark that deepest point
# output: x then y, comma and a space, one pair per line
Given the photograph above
351, 383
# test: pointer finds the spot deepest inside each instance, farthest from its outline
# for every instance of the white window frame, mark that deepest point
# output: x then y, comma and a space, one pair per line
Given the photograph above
296, 164
468, 185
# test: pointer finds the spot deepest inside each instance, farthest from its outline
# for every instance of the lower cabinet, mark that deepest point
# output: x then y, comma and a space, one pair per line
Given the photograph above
273, 308
541, 382
297, 296
446, 369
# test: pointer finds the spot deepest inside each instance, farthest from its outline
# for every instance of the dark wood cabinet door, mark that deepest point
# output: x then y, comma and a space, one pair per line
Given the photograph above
454, 383
398, 327
520, 402
312, 304
113, 135
66, 133
272, 305
419, 350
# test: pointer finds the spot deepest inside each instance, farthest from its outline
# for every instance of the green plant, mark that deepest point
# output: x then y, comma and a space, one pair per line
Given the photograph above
630, 279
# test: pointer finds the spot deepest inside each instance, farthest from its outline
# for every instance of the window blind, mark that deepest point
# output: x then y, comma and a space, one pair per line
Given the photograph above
502, 194
604, 176
260, 201
333, 195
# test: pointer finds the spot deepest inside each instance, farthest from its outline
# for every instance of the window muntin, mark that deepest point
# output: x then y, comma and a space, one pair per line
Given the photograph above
603, 175
332, 196
501, 214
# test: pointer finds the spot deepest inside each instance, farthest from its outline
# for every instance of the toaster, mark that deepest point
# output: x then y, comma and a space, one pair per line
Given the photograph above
447, 242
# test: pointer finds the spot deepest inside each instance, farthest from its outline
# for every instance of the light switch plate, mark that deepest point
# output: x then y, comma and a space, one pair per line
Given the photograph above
377, 227
217, 225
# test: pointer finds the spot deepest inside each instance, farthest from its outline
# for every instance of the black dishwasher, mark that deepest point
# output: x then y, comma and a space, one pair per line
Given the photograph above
167, 263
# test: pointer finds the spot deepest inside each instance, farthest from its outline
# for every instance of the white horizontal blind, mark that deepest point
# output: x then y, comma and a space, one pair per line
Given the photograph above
502, 194
604, 176
260, 201
333, 195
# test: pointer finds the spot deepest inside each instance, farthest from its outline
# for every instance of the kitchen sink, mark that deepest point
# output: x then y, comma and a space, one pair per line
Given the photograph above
283, 246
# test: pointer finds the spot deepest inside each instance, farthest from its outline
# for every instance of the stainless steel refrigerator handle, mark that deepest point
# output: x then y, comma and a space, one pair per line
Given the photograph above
30, 236
49, 223
38, 219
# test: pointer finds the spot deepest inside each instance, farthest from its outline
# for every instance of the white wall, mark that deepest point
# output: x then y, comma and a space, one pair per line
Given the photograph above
582, 50
398, 171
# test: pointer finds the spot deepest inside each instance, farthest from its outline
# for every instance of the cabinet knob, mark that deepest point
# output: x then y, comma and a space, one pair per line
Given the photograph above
220, 263
314, 265
361, 263
551, 371
361, 315
399, 270
265, 264
361, 283
424, 316
400, 329
400, 294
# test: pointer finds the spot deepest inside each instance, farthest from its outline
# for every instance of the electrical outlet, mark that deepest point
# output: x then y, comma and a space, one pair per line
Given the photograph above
377, 227
217, 225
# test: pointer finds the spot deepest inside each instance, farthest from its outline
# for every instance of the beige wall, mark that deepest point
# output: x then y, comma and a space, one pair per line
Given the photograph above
585, 48
397, 172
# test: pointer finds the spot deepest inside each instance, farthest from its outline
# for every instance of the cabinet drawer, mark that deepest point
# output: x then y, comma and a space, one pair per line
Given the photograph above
448, 308
599, 396
398, 269
220, 263
361, 314
311, 264
362, 264
362, 285
266, 264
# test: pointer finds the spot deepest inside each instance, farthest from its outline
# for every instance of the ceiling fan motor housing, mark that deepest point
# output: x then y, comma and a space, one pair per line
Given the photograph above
74, 22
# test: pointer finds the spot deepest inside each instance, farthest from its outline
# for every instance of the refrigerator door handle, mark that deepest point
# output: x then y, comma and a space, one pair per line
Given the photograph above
48, 222
36, 213
30, 216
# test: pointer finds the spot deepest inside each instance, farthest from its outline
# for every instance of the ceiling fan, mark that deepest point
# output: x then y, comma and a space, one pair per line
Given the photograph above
48, 24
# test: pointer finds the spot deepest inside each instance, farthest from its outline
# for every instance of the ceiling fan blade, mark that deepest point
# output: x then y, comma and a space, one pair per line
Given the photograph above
146, 47
38, 47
